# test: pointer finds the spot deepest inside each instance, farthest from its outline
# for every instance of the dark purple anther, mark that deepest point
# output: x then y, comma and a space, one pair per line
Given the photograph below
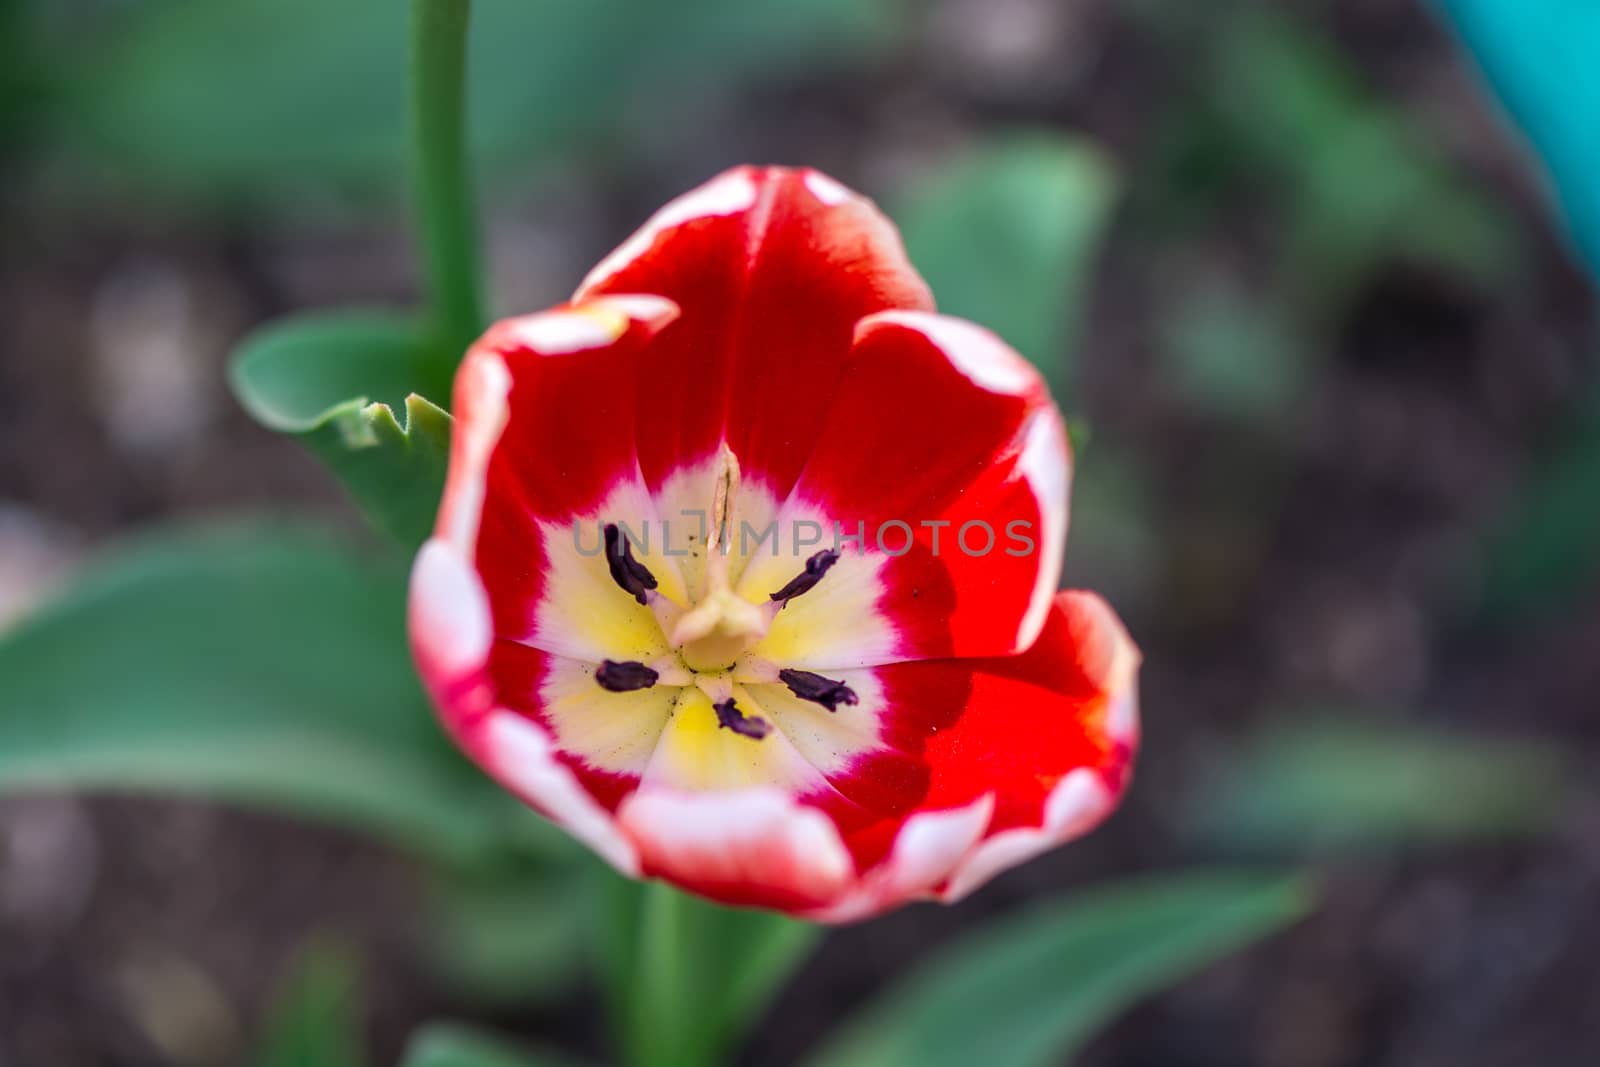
807, 579
730, 717
624, 677
817, 689
634, 577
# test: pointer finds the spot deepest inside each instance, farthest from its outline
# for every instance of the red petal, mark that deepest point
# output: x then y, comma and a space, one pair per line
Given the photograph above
943, 437
752, 848
1050, 734
772, 268
543, 434
804, 344
1039, 752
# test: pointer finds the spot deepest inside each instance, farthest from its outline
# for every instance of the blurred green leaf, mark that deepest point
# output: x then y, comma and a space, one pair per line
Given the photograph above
511, 937
259, 663
1116, 517
1029, 990
1540, 56
447, 1045
262, 98
1233, 357
335, 380
1341, 781
689, 976
18, 75
1007, 236
315, 1016
1545, 551
1367, 184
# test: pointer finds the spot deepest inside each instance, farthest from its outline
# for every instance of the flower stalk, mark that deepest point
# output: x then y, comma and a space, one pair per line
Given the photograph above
661, 1032
442, 188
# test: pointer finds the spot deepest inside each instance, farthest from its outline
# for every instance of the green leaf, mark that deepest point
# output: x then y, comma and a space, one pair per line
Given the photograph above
1007, 237
334, 380
1333, 781
509, 937
688, 976
265, 664
447, 1045
315, 1019
1233, 356
260, 99
1541, 554
1539, 55
1031, 989
1117, 539
1367, 183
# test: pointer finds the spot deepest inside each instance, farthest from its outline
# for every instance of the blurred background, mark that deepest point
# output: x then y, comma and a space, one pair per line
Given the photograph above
1330, 356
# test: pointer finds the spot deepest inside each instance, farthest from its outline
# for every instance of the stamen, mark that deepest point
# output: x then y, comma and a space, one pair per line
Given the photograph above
626, 676
634, 577
814, 687
807, 579
730, 717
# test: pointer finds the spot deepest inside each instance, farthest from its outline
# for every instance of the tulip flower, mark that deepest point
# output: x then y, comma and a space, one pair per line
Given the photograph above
746, 569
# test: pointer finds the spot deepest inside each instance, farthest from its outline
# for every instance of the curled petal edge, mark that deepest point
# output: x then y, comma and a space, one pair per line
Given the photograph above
483, 388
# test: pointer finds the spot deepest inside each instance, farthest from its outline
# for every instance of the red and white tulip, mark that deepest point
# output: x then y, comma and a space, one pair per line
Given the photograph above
887, 701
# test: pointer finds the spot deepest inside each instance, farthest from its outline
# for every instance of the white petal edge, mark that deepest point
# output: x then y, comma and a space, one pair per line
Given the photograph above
449, 612
828, 190
1121, 672
595, 323
521, 756
1046, 464
483, 386
928, 847
1122, 720
726, 194
758, 837
1077, 804
979, 354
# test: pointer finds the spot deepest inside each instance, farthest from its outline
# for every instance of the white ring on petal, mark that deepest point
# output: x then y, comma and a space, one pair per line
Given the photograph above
521, 756
727, 194
1075, 806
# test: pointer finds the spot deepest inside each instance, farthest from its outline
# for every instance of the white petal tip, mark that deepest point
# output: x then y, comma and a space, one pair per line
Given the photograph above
979, 354
1075, 806
520, 755
449, 610
828, 190
1046, 464
727, 194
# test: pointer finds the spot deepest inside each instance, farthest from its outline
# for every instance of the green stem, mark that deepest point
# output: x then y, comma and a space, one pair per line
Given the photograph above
660, 1027
695, 975
446, 218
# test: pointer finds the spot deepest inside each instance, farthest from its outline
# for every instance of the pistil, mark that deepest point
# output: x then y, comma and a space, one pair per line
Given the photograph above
716, 631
